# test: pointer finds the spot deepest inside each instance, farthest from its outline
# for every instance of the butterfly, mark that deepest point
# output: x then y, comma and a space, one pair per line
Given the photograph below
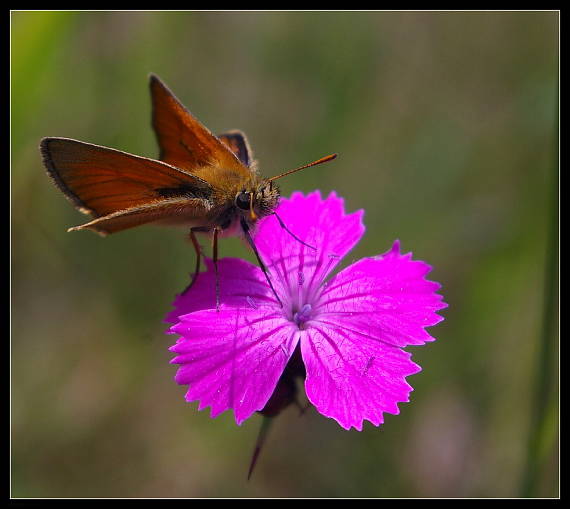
208, 183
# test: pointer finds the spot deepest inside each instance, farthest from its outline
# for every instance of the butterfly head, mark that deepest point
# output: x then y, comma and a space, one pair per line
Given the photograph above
258, 201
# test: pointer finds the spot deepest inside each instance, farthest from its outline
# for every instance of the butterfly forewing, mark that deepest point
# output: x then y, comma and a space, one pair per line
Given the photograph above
102, 181
184, 142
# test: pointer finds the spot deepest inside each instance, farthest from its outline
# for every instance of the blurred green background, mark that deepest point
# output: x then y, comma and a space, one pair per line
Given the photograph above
447, 130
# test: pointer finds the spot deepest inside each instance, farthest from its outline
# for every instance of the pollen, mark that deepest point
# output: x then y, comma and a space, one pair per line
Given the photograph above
303, 316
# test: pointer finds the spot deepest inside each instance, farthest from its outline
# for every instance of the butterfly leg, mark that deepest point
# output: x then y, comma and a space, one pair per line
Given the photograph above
215, 259
198, 251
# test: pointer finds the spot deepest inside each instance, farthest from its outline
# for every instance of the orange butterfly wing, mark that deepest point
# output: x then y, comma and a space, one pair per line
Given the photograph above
184, 142
166, 211
237, 142
101, 181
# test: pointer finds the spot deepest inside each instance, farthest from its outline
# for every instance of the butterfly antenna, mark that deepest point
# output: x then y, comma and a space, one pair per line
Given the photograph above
322, 160
261, 436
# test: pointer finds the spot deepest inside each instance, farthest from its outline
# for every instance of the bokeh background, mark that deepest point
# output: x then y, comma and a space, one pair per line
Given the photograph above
447, 130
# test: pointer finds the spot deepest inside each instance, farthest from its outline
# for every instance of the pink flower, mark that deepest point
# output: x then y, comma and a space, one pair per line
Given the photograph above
349, 330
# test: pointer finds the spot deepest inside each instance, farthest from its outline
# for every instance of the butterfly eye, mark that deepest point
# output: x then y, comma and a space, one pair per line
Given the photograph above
242, 200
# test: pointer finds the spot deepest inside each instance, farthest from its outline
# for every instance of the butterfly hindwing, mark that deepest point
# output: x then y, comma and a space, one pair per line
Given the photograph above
237, 142
167, 211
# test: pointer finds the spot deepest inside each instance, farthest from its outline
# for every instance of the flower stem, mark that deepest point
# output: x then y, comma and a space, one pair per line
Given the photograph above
263, 431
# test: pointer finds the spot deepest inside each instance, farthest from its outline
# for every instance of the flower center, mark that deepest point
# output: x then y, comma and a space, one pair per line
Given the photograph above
303, 316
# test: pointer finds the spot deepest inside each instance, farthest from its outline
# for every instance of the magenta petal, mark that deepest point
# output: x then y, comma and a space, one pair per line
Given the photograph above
241, 285
321, 223
352, 379
232, 359
385, 298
